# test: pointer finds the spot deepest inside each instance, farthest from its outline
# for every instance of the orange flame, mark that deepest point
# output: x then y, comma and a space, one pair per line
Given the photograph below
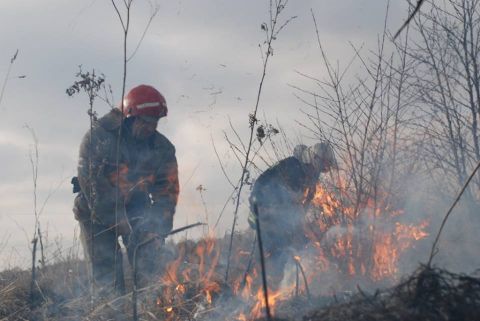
366, 240
357, 249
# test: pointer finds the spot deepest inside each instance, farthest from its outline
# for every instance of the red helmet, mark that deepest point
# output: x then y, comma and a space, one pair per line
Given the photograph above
144, 100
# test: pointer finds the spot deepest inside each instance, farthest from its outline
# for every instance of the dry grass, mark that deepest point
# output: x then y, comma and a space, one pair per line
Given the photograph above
63, 294
56, 285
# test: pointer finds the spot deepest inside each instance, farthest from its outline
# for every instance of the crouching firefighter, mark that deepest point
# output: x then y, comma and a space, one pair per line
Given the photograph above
129, 191
280, 197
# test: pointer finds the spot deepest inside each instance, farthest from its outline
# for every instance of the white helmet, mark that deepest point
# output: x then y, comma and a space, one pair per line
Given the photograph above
299, 151
320, 156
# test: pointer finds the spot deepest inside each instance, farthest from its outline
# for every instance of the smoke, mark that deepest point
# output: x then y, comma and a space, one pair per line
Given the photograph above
458, 244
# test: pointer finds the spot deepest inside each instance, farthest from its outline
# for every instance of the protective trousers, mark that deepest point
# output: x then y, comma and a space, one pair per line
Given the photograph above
106, 263
104, 256
282, 236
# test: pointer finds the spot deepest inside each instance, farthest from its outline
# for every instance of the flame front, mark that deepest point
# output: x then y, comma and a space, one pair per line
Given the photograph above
363, 241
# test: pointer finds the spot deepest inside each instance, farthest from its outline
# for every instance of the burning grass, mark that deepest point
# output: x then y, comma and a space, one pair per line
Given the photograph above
193, 288
360, 239
347, 246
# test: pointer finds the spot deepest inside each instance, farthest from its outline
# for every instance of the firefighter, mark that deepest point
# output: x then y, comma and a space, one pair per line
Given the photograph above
128, 188
281, 194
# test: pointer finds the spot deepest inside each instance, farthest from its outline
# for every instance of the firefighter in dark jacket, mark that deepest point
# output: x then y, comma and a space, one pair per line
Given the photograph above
128, 188
282, 194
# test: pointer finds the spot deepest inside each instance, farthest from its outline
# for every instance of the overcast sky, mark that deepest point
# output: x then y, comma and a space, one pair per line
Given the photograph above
202, 55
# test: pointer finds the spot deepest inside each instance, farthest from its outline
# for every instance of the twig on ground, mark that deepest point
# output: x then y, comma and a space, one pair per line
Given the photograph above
262, 262
249, 264
307, 289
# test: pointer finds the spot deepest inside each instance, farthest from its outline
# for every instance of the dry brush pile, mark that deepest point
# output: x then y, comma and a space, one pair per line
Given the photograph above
428, 294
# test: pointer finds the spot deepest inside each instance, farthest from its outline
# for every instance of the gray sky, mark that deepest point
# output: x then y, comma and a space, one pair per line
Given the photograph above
202, 55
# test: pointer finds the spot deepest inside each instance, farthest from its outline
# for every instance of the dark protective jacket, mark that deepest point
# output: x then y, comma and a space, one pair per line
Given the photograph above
282, 191
147, 182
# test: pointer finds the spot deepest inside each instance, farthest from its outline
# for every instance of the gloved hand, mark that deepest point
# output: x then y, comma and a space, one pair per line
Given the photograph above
159, 220
145, 246
154, 240
123, 227
144, 254
166, 225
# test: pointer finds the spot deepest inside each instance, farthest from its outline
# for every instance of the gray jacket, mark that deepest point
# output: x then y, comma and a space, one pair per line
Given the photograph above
146, 189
